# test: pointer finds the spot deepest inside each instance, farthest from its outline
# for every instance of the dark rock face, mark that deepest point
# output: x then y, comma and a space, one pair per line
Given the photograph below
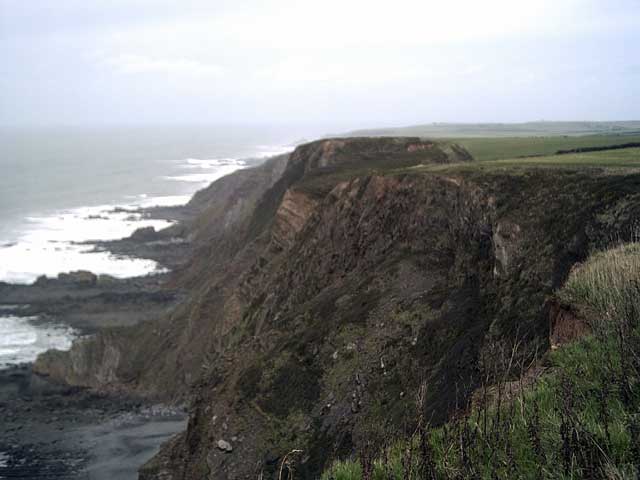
145, 234
80, 278
88, 302
565, 326
320, 305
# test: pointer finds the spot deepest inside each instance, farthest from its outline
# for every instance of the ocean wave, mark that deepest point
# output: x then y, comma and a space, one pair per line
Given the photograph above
49, 245
22, 340
83, 224
210, 163
60, 242
165, 201
217, 172
266, 151
25, 262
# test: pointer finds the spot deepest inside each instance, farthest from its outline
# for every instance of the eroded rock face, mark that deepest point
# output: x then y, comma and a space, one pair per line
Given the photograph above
145, 234
372, 152
294, 211
93, 362
565, 325
506, 238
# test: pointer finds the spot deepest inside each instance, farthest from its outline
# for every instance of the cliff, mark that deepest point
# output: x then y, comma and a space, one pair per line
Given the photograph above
327, 286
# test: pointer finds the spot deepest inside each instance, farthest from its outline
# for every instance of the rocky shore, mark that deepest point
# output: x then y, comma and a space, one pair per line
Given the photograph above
50, 430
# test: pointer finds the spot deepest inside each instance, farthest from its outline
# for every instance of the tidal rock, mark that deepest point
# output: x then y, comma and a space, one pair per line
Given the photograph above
144, 234
107, 281
80, 278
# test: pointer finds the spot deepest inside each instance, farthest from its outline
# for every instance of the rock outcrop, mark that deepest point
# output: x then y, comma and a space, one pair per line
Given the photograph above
294, 211
565, 325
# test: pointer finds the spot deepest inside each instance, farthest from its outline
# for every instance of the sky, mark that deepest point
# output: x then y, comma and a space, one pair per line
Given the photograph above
348, 63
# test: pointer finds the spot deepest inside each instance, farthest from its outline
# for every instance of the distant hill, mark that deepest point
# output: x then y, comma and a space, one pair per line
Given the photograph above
542, 128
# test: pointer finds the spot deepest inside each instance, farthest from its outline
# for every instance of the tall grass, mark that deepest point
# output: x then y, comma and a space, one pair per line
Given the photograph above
607, 287
580, 420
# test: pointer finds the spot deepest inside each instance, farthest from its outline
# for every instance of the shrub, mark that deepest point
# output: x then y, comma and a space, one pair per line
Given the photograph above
607, 286
346, 470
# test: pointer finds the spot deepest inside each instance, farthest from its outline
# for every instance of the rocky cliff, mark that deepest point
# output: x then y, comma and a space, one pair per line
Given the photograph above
328, 287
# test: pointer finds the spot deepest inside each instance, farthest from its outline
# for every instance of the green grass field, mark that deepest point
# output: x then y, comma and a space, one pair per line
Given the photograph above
484, 149
493, 130
495, 141
623, 158
627, 159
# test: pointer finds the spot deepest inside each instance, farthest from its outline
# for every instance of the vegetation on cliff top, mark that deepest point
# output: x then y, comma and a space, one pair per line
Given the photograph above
627, 158
528, 130
623, 158
500, 141
579, 419
488, 148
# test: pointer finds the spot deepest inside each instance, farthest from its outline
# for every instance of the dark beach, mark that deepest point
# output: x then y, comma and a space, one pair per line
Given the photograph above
56, 432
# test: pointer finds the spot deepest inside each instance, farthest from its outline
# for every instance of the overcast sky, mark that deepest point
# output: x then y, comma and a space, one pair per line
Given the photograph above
352, 63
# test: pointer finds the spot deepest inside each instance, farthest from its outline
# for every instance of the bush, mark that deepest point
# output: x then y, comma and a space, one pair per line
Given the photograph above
347, 470
607, 287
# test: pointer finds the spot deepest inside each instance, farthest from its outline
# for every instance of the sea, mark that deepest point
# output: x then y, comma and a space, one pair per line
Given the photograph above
61, 188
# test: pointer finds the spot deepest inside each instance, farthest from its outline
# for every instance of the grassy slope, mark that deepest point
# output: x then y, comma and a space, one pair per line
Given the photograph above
580, 420
624, 158
628, 158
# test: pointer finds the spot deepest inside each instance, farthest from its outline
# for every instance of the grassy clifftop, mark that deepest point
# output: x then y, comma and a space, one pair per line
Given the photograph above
509, 130
510, 147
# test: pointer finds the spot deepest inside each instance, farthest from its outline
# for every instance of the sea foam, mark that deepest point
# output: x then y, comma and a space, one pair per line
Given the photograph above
53, 244
61, 242
219, 167
22, 340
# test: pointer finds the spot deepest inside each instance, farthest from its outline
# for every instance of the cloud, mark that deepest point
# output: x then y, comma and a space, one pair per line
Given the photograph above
422, 60
335, 25
140, 64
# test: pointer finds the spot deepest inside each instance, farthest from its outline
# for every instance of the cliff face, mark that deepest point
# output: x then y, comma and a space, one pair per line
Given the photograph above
162, 358
291, 216
350, 280
242, 223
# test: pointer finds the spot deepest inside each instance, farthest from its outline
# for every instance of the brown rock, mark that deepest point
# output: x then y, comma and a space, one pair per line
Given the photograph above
565, 326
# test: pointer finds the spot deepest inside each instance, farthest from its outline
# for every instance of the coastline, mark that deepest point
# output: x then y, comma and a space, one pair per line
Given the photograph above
54, 431
50, 431
57, 431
